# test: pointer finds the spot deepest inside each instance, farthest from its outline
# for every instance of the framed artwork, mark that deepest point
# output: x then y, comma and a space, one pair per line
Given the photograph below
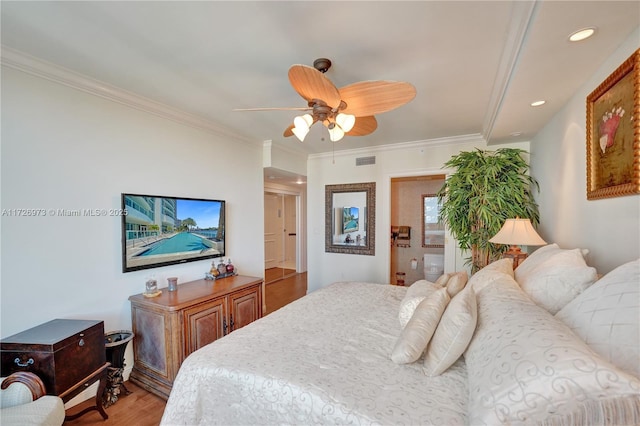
613, 133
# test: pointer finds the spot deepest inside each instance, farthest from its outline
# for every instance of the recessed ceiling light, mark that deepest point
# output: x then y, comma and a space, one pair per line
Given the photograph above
582, 34
538, 103
516, 134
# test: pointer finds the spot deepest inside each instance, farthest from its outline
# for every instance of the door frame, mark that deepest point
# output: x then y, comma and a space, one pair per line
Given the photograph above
300, 202
452, 255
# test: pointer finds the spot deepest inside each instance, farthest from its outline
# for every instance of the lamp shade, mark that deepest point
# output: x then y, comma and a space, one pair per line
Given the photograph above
346, 121
335, 133
518, 232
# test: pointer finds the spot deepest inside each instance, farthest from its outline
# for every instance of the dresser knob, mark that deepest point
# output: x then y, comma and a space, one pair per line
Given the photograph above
81, 342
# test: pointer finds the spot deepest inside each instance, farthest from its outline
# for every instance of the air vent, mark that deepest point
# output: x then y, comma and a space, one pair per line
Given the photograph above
365, 161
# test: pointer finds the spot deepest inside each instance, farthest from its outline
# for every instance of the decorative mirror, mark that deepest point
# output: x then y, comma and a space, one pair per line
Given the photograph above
432, 228
350, 218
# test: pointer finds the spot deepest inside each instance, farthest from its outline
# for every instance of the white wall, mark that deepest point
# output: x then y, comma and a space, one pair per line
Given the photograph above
64, 148
410, 159
609, 228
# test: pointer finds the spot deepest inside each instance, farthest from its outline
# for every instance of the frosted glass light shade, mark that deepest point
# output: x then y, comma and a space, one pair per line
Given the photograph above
345, 121
336, 133
518, 232
302, 124
300, 132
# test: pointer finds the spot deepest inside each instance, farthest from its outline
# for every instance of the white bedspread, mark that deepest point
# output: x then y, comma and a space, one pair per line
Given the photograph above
324, 359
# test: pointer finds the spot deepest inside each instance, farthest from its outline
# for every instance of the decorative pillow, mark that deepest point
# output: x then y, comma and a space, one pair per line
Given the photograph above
557, 280
525, 366
442, 279
414, 295
539, 256
607, 317
456, 283
453, 334
490, 273
416, 335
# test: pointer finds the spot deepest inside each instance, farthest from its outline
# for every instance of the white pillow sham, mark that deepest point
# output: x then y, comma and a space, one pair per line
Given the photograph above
412, 298
607, 317
491, 272
525, 366
556, 279
420, 328
453, 334
456, 283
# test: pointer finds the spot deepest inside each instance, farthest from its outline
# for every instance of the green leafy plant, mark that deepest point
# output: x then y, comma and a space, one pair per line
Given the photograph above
486, 188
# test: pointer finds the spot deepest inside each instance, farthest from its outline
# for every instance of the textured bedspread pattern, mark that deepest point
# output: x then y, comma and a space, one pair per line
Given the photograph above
323, 359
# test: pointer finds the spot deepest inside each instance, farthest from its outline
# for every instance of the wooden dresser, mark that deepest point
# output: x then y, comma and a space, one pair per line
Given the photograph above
169, 327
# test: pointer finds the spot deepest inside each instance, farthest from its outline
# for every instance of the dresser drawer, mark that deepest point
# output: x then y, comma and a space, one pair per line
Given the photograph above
61, 352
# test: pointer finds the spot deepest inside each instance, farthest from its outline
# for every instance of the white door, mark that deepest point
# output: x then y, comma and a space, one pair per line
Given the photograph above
273, 231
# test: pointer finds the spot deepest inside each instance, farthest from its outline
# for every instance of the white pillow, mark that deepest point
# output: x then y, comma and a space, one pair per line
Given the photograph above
414, 295
539, 256
490, 273
416, 335
442, 279
453, 334
607, 317
525, 366
456, 283
557, 279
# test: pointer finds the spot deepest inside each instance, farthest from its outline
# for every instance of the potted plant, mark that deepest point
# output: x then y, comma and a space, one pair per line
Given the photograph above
487, 188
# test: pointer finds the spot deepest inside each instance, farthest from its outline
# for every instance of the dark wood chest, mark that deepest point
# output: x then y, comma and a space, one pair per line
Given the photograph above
62, 352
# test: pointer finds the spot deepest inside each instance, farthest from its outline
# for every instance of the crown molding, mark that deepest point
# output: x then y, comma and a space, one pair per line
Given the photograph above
448, 141
20, 61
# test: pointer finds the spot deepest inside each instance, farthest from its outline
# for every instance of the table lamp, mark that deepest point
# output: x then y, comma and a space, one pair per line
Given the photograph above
517, 232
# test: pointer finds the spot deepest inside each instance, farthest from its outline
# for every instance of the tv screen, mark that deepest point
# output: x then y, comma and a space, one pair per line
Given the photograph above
160, 230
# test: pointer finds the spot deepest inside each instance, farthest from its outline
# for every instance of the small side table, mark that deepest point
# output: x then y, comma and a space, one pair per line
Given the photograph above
99, 374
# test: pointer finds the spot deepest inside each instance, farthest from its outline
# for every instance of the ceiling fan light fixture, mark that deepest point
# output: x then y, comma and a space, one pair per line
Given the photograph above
335, 132
345, 121
300, 133
302, 123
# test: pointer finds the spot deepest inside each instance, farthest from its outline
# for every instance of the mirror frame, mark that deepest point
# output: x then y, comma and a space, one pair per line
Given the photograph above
439, 226
369, 248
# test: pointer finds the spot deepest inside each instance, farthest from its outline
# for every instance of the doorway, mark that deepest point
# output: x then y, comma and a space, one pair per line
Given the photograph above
280, 236
409, 244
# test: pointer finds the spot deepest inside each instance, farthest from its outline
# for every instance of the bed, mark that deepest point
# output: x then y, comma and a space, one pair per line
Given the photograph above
327, 359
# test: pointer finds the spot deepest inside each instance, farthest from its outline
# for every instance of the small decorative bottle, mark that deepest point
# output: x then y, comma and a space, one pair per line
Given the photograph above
230, 267
214, 269
222, 268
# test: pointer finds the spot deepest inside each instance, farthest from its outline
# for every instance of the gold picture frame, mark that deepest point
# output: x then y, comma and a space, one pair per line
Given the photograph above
613, 133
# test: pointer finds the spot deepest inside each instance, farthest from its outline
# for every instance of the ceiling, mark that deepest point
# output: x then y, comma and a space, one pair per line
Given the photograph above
476, 65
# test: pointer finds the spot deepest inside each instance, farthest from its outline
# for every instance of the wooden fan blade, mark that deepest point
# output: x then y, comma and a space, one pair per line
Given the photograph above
274, 109
312, 84
374, 97
363, 126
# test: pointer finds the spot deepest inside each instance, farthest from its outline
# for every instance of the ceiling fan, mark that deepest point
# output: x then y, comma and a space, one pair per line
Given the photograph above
348, 110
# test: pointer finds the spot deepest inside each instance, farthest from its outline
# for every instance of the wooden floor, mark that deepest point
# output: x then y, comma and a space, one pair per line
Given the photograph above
284, 291
141, 408
275, 274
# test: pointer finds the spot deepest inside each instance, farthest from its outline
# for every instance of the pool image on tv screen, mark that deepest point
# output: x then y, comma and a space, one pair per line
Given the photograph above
161, 230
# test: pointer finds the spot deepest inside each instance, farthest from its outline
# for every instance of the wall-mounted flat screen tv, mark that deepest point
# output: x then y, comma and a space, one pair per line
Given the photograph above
160, 230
